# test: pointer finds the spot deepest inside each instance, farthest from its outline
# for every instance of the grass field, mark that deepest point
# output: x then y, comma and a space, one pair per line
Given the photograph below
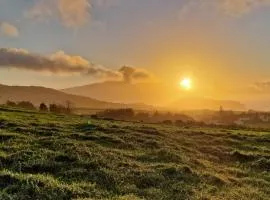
47, 156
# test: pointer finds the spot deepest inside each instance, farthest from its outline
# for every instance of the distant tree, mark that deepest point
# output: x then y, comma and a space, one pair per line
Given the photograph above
53, 108
43, 107
69, 107
59, 109
26, 105
179, 123
156, 117
11, 103
121, 114
94, 116
167, 122
143, 116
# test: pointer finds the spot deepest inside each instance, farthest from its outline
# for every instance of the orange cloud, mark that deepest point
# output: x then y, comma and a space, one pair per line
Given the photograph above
8, 29
72, 13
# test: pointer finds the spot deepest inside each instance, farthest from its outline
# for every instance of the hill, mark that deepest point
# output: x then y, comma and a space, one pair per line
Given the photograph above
121, 92
198, 103
151, 93
47, 156
40, 94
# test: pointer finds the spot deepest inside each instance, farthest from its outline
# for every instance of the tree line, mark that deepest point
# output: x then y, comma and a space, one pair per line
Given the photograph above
55, 108
130, 115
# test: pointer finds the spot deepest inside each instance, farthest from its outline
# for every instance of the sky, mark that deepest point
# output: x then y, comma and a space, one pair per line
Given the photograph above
222, 45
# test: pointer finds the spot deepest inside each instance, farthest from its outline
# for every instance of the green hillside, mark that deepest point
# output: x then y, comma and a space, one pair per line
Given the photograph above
47, 156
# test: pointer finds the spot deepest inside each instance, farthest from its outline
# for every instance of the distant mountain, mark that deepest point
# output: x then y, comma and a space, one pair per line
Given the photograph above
197, 103
40, 94
121, 92
152, 94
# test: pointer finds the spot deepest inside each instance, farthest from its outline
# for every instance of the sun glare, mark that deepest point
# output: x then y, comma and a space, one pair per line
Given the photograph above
186, 83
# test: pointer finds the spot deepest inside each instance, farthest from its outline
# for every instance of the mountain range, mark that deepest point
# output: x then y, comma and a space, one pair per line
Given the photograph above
36, 95
153, 94
141, 96
122, 92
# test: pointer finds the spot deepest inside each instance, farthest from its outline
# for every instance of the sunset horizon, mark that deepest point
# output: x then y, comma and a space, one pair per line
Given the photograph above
220, 46
134, 99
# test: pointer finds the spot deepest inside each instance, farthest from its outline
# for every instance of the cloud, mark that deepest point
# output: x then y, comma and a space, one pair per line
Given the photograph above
262, 86
72, 13
133, 74
8, 30
61, 63
230, 7
57, 63
107, 3
236, 7
186, 8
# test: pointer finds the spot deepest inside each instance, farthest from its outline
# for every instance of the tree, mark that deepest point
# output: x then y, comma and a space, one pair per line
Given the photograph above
53, 108
120, 114
143, 116
43, 107
11, 103
59, 109
26, 105
69, 107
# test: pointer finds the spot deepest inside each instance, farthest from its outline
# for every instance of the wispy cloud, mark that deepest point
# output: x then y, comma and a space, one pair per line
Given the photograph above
236, 7
71, 13
230, 7
107, 3
8, 30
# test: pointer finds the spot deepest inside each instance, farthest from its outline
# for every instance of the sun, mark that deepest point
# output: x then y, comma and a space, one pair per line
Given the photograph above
186, 83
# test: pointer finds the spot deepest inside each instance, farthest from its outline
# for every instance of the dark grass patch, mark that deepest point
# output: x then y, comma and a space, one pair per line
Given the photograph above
238, 137
7, 180
88, 128
242, 157
145, 130
148, 180
178, 173
83, 137
262, 164
42, 168
221, 152
263, 140
65, 158
7, 136
214, 180
5, 124
160, 156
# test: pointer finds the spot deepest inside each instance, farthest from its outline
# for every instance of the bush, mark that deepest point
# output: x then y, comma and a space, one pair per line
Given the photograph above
120, 114
59, 109
179, 123
26, 105
43, 107
11, 103
167, 122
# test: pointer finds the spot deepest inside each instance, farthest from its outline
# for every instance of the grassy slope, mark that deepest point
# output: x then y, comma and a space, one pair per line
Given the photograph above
46, 156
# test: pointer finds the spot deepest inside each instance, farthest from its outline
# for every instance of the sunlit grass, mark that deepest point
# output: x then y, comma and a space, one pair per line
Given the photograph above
47, 156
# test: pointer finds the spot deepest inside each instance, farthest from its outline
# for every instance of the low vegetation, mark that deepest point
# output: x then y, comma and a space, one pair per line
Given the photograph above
49, 156
129, 114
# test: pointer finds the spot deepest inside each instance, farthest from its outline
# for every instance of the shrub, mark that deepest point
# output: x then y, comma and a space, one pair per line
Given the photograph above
11, 103
43, 107
26, 105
